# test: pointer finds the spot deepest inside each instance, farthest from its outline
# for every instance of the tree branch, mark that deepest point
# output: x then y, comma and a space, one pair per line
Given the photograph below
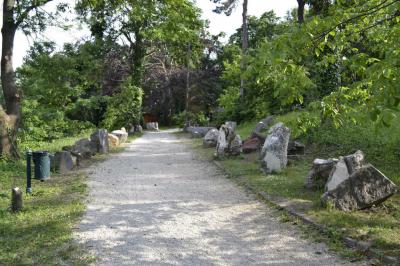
24, 15
370, 11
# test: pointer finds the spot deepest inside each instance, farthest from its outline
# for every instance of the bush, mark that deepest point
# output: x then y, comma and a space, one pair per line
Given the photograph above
199, 119
124, 108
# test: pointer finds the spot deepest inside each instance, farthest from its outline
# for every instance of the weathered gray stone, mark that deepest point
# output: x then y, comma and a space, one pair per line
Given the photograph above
84, 148
320, 172
131, 131
235, 146
62, 162
231, 124
251, 145
264, 124
274, 152
296, 148
366, 187
100, 139
354, 161
228, 142
75, 155
138, 129
211, 138
152, 126
121, 134
344, 168
199, 132
222, 143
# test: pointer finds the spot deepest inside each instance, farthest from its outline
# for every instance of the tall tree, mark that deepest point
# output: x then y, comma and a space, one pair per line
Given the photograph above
144, 25
227, 7
23, 15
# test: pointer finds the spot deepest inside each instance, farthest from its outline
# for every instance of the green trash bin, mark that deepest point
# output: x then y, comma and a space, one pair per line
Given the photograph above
41, 159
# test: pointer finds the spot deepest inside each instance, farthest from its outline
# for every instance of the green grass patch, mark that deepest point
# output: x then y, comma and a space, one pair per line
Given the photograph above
380, 225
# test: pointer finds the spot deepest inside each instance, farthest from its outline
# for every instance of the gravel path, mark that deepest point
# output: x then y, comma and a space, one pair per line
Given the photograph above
154, 204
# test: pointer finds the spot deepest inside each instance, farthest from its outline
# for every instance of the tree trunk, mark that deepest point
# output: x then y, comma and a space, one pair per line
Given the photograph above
137, 59
300, 11
9, 120
189, 55
245, 45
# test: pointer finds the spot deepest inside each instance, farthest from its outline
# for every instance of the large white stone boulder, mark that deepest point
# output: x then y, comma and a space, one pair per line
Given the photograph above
274, 151
121, 134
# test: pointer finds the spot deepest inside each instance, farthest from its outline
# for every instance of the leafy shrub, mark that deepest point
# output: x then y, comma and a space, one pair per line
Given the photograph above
193, 118
124, 108
41, 123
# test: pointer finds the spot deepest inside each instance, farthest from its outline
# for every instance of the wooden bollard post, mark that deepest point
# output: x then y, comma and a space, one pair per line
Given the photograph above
16, 199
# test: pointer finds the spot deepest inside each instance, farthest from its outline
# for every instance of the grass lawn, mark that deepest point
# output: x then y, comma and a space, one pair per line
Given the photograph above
41, 234
379, 226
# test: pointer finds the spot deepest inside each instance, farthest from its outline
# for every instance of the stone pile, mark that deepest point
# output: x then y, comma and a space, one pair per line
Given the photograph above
99, 142
228, 143
350, 183
274, 152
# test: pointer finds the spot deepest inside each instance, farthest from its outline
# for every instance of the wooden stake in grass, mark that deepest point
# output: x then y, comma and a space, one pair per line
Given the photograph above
16, 199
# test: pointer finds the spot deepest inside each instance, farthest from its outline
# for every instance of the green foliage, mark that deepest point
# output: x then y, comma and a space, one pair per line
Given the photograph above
41, 123
124, 108
343, 60
198, 118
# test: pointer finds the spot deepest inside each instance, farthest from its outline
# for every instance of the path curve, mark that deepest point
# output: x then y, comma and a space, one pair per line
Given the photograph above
154, 204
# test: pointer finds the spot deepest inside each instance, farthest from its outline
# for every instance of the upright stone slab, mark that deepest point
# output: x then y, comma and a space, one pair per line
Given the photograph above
366, 187
62, 162
211, 138
320, 172
235, 146
228, 142
222, 144
354, 161
274, 152
16, 199
344, 168
100, 139
231, 124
